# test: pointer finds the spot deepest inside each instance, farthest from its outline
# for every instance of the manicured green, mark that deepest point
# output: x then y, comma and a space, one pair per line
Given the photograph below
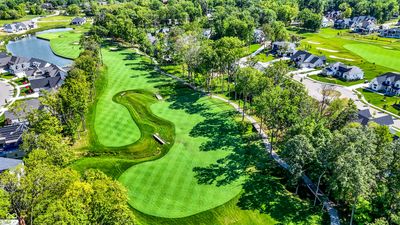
65, 44
377, 55
381, 101
372, 54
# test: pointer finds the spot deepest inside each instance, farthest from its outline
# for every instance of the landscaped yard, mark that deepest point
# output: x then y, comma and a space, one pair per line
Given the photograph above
372, 54
381, 101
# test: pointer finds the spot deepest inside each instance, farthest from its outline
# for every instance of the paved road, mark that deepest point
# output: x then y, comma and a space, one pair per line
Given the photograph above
314, 89
6, 93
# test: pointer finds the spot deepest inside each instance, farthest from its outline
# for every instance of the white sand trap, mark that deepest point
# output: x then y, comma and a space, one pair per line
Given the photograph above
327, 50
113, 49
387, 47
313, 42
335, 57
75, 43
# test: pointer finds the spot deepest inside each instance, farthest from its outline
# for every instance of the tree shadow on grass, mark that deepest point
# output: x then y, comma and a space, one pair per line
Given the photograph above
221, 129
249, 163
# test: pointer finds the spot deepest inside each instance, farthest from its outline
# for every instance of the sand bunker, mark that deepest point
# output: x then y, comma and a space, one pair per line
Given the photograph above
335, 57
327, 50
313, 42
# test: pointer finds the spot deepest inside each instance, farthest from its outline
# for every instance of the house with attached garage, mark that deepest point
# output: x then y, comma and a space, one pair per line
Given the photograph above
41, 74
365, 117
78, 21
283, 48
343, 71
304, 59
342, 23
19, 26
388, 83
390, 33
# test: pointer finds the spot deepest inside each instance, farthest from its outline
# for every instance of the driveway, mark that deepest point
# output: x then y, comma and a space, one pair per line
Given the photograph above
6, 93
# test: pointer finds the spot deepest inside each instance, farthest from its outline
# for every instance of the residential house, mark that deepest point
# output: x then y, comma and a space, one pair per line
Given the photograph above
283, 48
12, 118
47, 6
78, 21
46, 78
258, 36
388, 83
304, 59
390, 33
333, 15
326, 22
7, 164
19, 26
11, 137
4, 59
365, 117
343, 71
364, 24
342, 23
41, 74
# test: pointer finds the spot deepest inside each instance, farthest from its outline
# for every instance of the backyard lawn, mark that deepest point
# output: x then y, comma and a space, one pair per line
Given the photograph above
381, 101
372, 54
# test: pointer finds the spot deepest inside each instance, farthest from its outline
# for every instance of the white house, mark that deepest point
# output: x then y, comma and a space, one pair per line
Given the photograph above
258, 36
78, 21
283, 48
343, 71
19, 26
304, 59
388, 83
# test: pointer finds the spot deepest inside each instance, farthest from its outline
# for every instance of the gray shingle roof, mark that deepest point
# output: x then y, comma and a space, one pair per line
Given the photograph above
384, 120
6, 163
12, 133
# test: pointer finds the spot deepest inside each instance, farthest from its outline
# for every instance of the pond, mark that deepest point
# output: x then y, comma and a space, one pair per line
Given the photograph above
37, 48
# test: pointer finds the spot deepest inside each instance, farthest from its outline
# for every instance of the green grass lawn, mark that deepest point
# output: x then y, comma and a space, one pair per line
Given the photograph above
262, 57
66, 43
57, 18
25, 18
333, 80
381, 101
372, 54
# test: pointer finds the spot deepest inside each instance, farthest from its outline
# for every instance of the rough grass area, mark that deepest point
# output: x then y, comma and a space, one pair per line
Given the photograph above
372, 54
66, 43
381, 101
